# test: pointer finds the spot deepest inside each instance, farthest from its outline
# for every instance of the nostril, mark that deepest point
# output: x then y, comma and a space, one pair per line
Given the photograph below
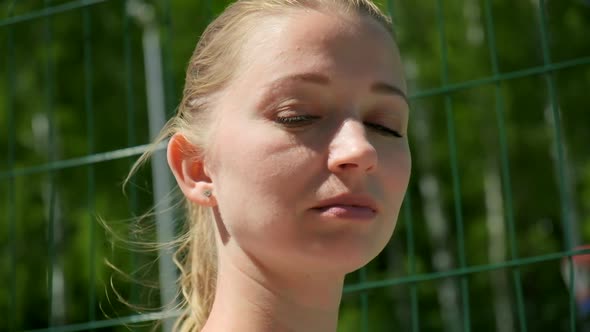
348, 166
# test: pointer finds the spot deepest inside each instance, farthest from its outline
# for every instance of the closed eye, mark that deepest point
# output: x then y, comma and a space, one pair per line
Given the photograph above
296, 120
304, 120
383, 130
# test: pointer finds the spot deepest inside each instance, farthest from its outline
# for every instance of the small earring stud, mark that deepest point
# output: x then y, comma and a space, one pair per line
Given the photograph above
207, 193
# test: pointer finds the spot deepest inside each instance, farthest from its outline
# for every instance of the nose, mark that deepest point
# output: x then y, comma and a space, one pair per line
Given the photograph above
350, 151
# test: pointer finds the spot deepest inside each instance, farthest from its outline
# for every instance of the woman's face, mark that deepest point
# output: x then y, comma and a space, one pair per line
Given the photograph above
309, 159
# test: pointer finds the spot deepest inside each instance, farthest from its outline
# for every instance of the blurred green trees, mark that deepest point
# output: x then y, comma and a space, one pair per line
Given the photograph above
481, 75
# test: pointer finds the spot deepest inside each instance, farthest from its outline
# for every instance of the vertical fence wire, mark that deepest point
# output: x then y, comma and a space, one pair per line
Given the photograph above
131, 136
169, 59
50, 236
559, 148
411, 262
563, 193
209, 9
88, 98
409, 223
49, 79
505, 165
364, 301
11, 203
454, 167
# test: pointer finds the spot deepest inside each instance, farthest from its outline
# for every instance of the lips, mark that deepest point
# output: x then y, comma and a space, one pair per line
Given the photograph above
348, 206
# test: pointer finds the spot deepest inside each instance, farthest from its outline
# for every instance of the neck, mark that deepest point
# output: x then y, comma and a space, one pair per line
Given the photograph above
251, 299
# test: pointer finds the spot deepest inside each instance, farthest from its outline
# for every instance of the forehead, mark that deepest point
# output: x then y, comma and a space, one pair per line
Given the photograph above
346, 47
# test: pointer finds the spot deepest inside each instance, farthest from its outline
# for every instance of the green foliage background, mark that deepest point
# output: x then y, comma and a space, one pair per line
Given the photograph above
72, 85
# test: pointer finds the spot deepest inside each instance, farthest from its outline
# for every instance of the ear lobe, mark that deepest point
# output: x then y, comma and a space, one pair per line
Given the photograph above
189, 171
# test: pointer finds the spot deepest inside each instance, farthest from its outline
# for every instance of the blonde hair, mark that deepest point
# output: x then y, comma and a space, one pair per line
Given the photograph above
208, 72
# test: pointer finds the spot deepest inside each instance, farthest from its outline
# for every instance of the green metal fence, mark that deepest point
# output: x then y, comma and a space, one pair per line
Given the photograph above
74, 118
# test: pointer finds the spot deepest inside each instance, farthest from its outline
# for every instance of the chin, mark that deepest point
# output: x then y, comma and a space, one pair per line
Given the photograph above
347, 256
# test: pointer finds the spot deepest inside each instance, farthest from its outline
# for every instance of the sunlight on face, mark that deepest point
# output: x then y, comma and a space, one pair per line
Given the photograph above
310, 158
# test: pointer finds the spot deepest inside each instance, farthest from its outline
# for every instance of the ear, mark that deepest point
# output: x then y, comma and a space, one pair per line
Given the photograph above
189, 171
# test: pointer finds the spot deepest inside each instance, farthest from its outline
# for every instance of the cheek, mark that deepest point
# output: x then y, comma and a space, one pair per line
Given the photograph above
394, 178
255, 163
260, 161
262, 180
396, 164
395, 169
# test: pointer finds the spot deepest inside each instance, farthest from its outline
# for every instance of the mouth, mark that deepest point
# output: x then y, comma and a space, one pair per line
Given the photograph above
347, 212
348, 206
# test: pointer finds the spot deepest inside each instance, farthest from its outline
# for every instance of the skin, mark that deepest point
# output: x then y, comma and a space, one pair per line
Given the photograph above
281, 263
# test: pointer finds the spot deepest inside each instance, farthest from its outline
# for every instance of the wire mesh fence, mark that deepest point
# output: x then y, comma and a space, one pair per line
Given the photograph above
497, 208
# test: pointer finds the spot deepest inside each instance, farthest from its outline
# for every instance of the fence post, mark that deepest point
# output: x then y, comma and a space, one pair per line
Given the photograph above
162, 185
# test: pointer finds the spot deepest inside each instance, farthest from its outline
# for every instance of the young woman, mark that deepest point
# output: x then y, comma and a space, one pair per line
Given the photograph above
290, 147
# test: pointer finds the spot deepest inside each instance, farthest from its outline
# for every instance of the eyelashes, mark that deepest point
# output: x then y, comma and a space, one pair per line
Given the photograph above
382, 129
299, 121
296, 120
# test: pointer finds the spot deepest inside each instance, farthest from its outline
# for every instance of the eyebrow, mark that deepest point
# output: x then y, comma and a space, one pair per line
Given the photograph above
315, 78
